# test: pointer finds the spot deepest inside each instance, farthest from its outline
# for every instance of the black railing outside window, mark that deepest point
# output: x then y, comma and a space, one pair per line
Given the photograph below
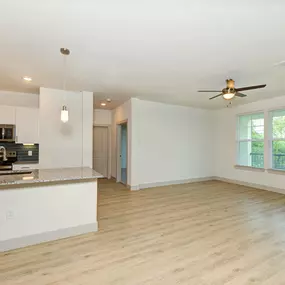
257, 160
278, 160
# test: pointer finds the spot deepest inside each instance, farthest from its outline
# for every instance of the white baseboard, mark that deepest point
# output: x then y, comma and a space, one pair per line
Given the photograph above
252, 185
176, 182
47, 236
167, 183
134, 187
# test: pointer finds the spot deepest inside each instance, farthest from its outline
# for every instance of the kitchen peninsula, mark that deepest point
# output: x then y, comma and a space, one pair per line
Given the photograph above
46, 204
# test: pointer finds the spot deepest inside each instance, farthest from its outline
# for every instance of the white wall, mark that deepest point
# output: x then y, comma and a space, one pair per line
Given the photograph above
102, 117
19, 99
225, 144
170, 143
65, 144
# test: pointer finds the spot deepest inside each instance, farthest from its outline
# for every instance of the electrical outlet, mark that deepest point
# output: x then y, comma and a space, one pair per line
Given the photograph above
10, 215
30, 153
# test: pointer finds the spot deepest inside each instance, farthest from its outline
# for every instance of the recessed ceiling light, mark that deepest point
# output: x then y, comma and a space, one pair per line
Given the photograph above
108, 100
103, 104
27, 78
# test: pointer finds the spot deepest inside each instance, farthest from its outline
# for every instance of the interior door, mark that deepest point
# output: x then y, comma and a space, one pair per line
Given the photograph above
100, 150
124, 150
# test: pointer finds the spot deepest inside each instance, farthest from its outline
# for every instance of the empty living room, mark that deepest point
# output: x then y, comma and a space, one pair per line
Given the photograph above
142, 142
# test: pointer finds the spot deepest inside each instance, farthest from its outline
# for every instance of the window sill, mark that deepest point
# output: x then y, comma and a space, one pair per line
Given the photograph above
276, 171
243, 167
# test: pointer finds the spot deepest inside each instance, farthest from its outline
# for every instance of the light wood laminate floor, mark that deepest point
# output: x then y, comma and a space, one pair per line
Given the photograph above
201, 233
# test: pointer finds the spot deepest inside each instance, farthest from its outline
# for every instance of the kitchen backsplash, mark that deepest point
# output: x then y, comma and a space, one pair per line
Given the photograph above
22, 151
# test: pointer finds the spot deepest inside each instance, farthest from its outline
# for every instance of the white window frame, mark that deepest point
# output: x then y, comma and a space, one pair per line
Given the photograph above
238, 140
270, 137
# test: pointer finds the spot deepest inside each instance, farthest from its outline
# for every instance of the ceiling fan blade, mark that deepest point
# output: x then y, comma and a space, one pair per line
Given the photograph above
216, 96
240, 95
250, 87
209, 90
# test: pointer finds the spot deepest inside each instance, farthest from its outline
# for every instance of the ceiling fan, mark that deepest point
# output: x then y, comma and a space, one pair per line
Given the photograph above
230, 91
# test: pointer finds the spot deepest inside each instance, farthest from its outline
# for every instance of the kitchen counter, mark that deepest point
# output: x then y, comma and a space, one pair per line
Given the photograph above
26, 162
39, 176
46, 205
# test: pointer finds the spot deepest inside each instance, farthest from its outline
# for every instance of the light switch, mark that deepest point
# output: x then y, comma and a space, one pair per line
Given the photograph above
30, 153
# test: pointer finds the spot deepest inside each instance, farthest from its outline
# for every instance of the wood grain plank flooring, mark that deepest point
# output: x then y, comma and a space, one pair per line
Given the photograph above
201, 233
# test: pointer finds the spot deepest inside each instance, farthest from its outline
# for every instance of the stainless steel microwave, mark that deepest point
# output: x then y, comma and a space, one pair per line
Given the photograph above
7, 133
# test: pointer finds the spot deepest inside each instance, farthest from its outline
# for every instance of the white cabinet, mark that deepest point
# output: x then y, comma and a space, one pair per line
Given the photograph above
27, 125
7, 115
26, 166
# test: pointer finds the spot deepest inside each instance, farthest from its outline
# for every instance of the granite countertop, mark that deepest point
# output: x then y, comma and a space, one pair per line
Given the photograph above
26, 162
56, 175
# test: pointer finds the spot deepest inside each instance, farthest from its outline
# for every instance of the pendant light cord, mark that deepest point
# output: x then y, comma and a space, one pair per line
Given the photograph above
64, 72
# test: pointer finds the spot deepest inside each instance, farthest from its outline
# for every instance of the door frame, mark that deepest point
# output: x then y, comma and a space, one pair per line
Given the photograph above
118, 150
109, 147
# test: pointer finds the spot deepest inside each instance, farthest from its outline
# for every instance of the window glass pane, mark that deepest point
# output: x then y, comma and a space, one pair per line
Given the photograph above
257, 116
251, 127
251, 154
257, 130
244, 127
278, 125
278, 113
278, 154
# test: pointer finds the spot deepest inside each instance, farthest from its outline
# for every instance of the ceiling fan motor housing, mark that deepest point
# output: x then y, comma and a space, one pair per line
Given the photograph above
228, 90
230, 83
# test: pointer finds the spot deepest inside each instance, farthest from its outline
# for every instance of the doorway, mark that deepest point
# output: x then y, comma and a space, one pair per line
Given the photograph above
100, 150
122, 153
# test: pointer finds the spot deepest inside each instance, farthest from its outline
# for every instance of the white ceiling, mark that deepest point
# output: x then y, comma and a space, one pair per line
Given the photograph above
159, 50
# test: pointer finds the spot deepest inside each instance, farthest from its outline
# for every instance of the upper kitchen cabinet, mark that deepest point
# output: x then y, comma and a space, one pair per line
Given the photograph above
27, 125
7, 115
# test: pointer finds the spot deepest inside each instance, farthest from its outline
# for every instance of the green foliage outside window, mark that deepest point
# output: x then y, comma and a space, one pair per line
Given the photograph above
278, 146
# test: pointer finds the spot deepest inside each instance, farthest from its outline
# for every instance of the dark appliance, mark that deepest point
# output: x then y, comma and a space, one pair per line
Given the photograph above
7, 133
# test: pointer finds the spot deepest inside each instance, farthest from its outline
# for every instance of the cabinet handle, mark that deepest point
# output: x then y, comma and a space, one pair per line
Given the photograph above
25, 167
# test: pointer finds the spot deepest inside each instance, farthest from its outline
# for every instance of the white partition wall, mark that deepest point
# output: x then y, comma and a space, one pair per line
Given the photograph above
87, 124
65, 144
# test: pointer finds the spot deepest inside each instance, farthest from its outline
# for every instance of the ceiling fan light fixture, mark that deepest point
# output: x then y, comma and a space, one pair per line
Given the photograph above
229, 96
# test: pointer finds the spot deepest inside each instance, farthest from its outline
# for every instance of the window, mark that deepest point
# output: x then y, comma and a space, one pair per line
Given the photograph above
277, 139
250, 140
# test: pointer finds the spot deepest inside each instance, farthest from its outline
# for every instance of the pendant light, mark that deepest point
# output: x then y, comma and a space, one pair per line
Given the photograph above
64, 112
